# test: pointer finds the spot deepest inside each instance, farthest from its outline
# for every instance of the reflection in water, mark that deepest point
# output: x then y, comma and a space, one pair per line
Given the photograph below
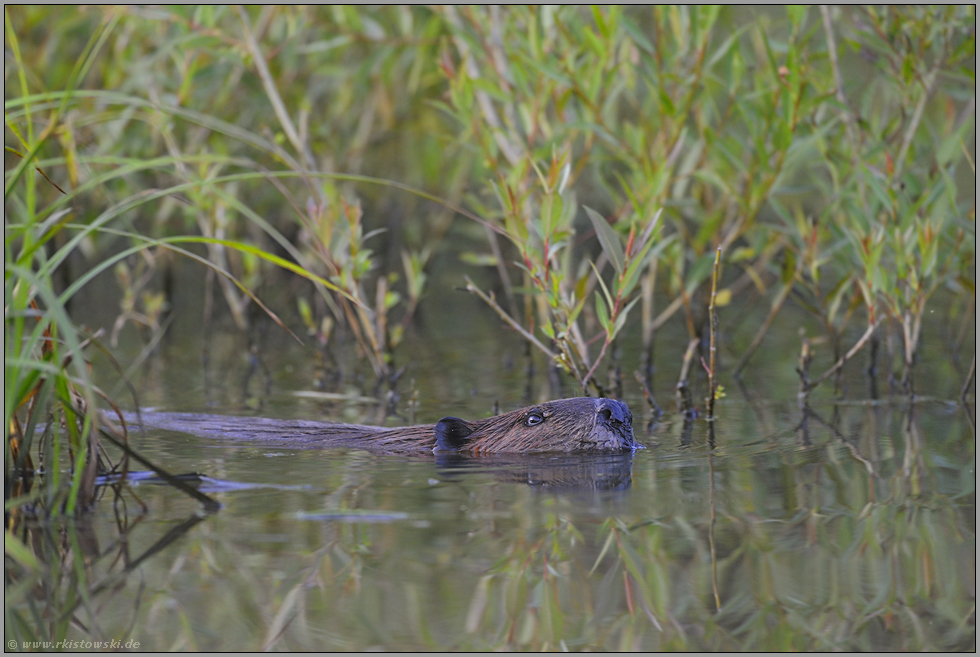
72, 569
547, 472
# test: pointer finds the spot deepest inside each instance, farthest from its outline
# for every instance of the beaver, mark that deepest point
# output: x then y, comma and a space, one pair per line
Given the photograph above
576, 425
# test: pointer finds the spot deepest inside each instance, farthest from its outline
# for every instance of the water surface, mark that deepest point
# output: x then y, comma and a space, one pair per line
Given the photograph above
853, 531
842, 526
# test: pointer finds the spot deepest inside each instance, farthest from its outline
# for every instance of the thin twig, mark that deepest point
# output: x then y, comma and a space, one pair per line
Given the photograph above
598, 359
498, 256
683, 394
849, 121
803, 369
647, 287
930, 85
713, 328
777, 305
686, 363
210, 505
969, 379
8, 149
855, 453
646, 393
273, 93
840, 363
490, 301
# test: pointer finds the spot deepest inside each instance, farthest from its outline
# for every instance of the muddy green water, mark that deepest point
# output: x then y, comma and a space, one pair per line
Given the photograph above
851, 527
863, 540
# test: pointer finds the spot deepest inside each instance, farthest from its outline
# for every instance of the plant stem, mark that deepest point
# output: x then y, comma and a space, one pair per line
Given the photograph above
848, 115
683, 394
648, 285
757, 340
598, 359
273, 93
490, 301
965, 391
646, 393
840, 363
929, 84
713, 321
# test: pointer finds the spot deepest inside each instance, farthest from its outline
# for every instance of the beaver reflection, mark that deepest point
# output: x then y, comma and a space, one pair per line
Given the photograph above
547, 472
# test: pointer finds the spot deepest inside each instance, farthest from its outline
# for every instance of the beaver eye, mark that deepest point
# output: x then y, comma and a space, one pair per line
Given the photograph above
533, 418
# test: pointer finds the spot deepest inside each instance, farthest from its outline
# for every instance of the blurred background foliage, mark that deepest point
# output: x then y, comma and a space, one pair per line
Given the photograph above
828, 152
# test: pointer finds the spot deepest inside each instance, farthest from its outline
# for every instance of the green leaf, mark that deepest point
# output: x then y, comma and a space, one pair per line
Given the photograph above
796, 14
306, 313
602, 314
551, 209
666, 104
725, 48
602, 284
16, 550
637, 35
575, 311
612, 244
952, 146
632, 274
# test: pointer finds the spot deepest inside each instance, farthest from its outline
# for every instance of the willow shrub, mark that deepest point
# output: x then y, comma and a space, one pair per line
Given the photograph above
823, 151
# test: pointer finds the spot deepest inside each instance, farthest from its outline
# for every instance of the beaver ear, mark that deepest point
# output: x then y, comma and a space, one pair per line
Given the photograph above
451, 434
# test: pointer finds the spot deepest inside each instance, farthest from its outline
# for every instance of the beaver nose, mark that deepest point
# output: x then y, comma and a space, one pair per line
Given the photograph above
614, 411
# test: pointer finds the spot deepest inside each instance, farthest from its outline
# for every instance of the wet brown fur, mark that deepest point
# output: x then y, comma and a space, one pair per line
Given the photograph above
576, 425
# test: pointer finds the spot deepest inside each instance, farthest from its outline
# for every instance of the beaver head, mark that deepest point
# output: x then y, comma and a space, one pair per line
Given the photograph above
584, 424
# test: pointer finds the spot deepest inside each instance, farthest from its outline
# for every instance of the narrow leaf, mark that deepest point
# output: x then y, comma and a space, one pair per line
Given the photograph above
612, 244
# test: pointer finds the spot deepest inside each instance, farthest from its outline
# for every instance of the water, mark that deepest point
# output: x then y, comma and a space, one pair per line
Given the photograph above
840, 527
862, 538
